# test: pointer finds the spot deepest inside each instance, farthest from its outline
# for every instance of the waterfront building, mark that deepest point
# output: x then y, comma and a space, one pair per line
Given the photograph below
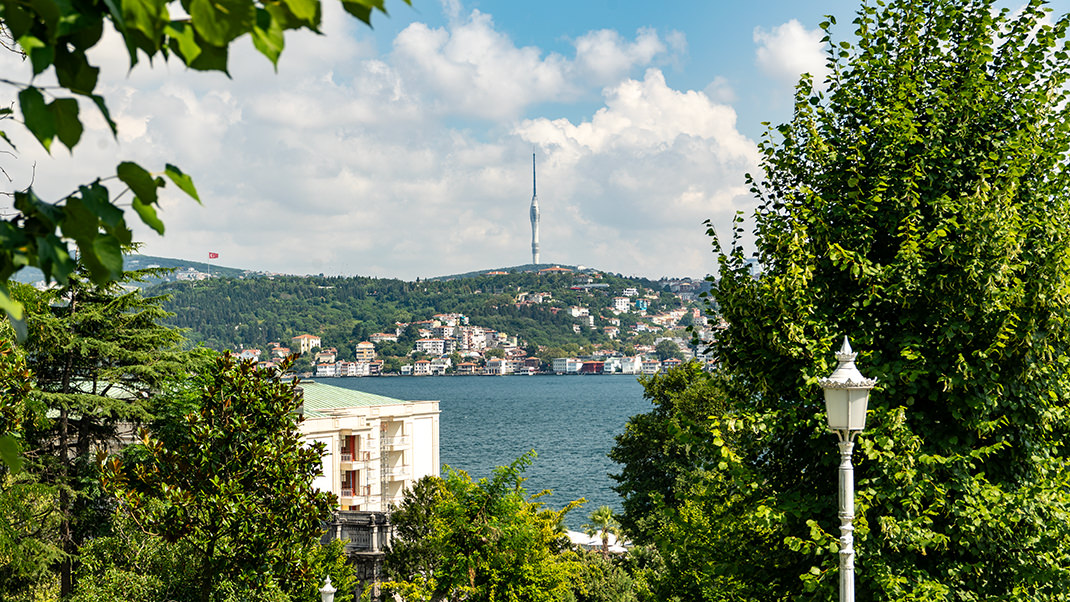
631, 365
567, 365
326, 370
651, 366
421, 368
376, 446
466, 368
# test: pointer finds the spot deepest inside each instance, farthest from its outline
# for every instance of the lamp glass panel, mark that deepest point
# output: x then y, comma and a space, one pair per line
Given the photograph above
836, 404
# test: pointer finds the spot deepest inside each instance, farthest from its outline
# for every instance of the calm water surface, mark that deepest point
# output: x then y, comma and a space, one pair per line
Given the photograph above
489, 421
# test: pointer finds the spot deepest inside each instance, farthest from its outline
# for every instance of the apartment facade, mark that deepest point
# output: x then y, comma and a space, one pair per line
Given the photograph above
376, 446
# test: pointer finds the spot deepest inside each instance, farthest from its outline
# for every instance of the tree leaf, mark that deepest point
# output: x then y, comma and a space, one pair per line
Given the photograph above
37, 117
182, 40
139, 181
80, 223
75, 73
9, 446
268, 37
148, 215
99, 101
307, 11
219, 22
41, 54
96, 199
68, 126
183, 181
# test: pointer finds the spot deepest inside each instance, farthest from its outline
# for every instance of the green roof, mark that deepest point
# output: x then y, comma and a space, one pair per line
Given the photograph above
319, 399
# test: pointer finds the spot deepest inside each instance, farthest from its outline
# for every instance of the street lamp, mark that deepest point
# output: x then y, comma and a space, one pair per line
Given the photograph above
327, 591
846, 397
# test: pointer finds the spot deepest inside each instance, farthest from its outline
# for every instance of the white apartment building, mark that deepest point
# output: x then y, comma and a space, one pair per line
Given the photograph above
376, 447
431, 346
567, 365
621, 304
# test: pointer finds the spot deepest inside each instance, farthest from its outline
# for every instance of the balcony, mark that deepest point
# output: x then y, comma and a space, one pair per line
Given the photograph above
360, 457
397, 473
396, 443
356, 493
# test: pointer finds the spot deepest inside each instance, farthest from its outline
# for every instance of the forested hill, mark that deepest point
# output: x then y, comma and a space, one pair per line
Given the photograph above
227, 313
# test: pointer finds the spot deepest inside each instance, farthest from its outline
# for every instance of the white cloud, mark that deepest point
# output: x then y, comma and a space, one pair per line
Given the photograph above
632, 185
789, 50
346, 162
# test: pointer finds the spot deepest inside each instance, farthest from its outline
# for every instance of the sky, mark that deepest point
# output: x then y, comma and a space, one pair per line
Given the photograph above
405, 150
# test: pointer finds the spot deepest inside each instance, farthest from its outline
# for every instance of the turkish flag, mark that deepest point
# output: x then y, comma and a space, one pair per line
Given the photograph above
212, 255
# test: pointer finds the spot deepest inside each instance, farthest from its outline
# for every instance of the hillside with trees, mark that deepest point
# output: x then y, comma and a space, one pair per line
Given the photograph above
229, 313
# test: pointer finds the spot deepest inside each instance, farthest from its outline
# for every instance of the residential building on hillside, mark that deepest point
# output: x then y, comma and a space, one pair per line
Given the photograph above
305, 342
250, 354
431, 346
620, 304
379, 337
365, 351
376, 446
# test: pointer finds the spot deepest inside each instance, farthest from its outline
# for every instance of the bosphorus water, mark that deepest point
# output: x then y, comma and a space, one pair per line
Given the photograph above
489, 421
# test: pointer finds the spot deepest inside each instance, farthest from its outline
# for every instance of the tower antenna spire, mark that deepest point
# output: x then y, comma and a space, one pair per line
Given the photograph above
534, 216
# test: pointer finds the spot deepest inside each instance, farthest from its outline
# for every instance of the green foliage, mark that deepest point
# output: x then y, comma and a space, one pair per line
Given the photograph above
482, 541
602, 580
57, 38
98, 357
234, 479
918, 204
603, 524
667, 349
229, 313
661, 446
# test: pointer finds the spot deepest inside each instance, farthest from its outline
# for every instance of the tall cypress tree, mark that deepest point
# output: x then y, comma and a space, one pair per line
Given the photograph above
99, 355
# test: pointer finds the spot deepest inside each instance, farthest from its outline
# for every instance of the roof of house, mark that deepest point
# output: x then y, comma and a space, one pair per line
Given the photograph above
320, 398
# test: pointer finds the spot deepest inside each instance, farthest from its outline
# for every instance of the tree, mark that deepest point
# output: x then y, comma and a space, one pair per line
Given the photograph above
668, 349
463, 540
603, 524
659, 447
59, 37
918, 204
235, 479
99, 356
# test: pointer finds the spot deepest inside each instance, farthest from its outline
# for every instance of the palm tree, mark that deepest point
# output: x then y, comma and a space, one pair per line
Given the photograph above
603, 522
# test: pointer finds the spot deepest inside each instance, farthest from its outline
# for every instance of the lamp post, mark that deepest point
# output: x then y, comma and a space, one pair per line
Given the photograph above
327, 591
846, 398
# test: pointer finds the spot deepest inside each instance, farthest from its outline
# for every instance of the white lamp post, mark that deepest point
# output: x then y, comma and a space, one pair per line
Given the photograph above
327, 591
846, 398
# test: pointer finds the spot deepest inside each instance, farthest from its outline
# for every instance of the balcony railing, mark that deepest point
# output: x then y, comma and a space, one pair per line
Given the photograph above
398, 442
360, 456
364, 491
397, 473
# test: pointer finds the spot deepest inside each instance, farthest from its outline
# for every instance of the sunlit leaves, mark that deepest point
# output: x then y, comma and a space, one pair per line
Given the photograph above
183, 181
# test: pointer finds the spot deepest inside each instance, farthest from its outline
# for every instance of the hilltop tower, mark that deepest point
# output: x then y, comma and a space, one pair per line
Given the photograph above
534, 216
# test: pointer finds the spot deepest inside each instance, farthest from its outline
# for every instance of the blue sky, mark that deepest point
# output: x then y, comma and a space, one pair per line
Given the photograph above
405, 151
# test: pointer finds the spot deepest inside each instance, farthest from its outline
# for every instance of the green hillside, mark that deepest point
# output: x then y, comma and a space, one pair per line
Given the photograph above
227, 313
